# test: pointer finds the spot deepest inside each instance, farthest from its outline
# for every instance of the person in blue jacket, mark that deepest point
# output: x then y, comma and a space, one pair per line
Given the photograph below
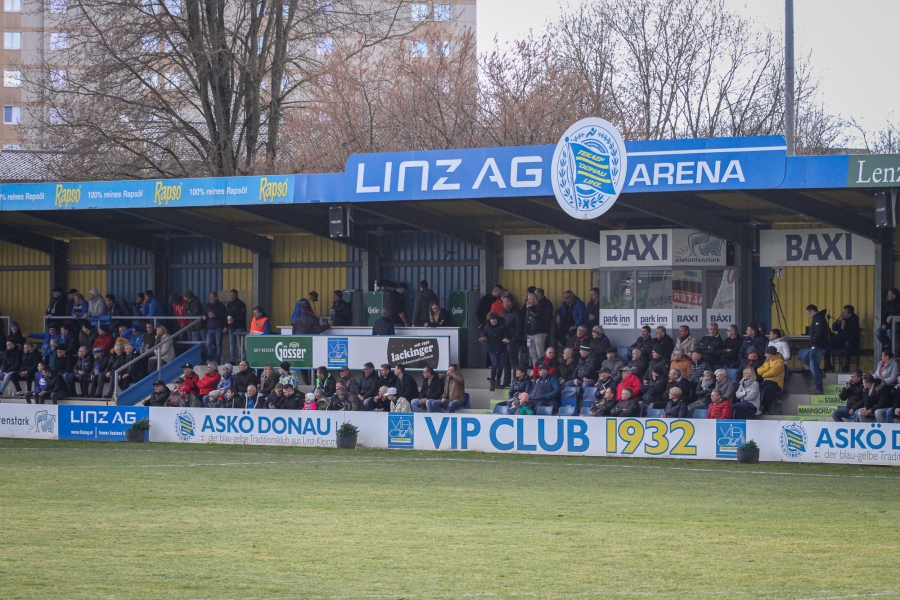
151, 306
569, 316
545, 389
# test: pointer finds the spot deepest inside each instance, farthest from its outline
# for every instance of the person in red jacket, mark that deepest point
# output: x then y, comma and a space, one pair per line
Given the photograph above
720, 408
630, 381
104, 340
550, 360
210, 381
191, 383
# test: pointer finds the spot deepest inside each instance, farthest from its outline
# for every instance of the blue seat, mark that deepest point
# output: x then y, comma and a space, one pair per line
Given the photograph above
569, 397
699, 413
624, 353
586, 410
467, 402
732, 374
544, 410
500, 409
655, 413
566, 411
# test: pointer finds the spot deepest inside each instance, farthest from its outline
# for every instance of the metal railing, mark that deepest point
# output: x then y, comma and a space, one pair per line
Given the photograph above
157, 349
107, 319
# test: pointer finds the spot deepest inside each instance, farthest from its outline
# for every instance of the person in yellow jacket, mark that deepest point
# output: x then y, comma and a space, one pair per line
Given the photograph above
772, 371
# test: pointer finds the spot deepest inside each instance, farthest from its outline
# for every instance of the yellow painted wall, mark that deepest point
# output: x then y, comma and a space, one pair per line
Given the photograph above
24, 294
554, 283
289, 285
84, 253
831, 288
238, 279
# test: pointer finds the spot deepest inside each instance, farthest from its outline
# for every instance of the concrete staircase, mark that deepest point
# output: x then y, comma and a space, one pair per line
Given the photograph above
799, 404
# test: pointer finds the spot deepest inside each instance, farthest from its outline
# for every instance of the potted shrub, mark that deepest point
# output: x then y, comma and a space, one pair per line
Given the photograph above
748, 452
346, 435
138, 431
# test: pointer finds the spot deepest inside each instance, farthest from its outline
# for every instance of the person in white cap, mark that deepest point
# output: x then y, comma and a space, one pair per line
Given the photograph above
398, 403
310, 402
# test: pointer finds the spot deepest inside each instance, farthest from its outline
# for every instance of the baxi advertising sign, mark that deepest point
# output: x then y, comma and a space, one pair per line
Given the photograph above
549, 252
661, 248
814, 247
311, 351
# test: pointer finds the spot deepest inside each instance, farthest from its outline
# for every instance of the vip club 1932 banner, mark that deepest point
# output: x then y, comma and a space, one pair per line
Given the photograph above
311, 351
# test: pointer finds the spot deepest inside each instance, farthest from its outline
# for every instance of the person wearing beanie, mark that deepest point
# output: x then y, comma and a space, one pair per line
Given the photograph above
15, 335
194, 308
654, 388
599, 342
285, 375
341, 313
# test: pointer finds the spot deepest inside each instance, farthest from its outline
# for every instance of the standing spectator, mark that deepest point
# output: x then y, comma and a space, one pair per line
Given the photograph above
237, 325
772, 372
846, 333
113, 309
11, 365
298, 308
889, 308
431, 391
644, 343
384, 325
166, 348
194, 308
819, 342
570, 313
485, 304
397, 303
29, 368
215, 325
664, 343
307, 323
592, 310
177, 303
57, 306
747, 395
151, 306
546, 308
422, 306
719, 408
260, 324
537, 326
515, 329
454, 396
341, 313
137, 306
685, 341
493, 336
96, 303
731, 348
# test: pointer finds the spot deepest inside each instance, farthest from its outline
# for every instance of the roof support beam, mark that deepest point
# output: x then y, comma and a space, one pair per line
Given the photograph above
526, 208
824, 212
676, 208
295, 216
81, 220
408, 213
178, 219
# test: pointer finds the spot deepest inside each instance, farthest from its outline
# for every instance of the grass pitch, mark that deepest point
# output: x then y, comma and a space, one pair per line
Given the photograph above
96, 521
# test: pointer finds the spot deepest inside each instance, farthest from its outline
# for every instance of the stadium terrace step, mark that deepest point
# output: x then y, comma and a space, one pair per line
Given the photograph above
826, 399
816, 410
77, 401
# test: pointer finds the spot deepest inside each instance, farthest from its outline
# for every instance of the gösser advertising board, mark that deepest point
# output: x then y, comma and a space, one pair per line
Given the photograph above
780, 441
310, 352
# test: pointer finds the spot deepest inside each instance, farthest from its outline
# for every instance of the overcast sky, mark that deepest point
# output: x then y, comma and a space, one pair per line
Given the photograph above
854, 45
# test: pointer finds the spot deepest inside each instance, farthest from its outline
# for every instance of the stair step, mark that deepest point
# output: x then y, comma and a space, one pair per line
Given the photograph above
826, 399
816, 410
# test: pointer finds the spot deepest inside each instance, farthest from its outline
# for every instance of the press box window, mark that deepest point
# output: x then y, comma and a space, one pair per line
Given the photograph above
12, 40
617, 289
12, 115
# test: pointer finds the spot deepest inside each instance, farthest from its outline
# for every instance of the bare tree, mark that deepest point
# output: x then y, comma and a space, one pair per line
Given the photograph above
173, 88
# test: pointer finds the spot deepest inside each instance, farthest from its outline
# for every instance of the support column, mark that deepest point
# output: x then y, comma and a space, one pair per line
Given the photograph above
59, 265
743, 261
884, 280
371, 262
159, 270
262, 281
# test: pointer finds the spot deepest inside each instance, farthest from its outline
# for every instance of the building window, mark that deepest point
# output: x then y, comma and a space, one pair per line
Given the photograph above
12, 40
151, 78
173, 6
12, 5
149, 43
326, 8
419, 12
324, 46
442, 12
57, 116
59, 78
12, 78
12, 147
12, 115
442, 48
172, 81
59, 41
419, 48
59, 6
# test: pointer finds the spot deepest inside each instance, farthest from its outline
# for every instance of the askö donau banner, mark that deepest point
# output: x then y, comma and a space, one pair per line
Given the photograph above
335, 351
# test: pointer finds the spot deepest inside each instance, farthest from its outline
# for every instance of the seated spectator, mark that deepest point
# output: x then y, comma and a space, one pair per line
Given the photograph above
753, 339
407, 387
432, 389
886, 370
454, 396
209, 382
599, 342
160, 395
226, 382
724, 384
98, 372
676, 408
324, 380
627, 406
151, 306
549, 360
521, 384
268, 381
291, 399
604, 403
15, 335
653, 389
81, 373
747, 396
80, 309
703, 390
96, 305
854, 396
565, 373
369, 383
398, 403
309, 403
285, 375
116, 362
586, 370
104, 340
68, 338
846, 333
321, 398
677, 379
664, 344
275, 399
582, 338
245, 377
877, 396
178, 398
88, 335
612, 366
11, 364
639, 365
753, 361
772, 371
387, 377
682, 362
132, 373
777, 339
29, 368
698, 366
439, 317
384, 325
889, 410
644, 343
545, 390
710, 346
39, 393
520, 405
341, 399
166, 347
731, 348
685, 341
380, 401
719, 408
48, 386
629, 382
656, 360
191, 385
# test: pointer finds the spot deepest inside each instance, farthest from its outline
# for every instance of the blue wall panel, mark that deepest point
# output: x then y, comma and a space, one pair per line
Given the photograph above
126, 283
201, 279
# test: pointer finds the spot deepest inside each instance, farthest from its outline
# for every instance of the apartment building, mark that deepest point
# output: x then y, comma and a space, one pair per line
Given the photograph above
27, 28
